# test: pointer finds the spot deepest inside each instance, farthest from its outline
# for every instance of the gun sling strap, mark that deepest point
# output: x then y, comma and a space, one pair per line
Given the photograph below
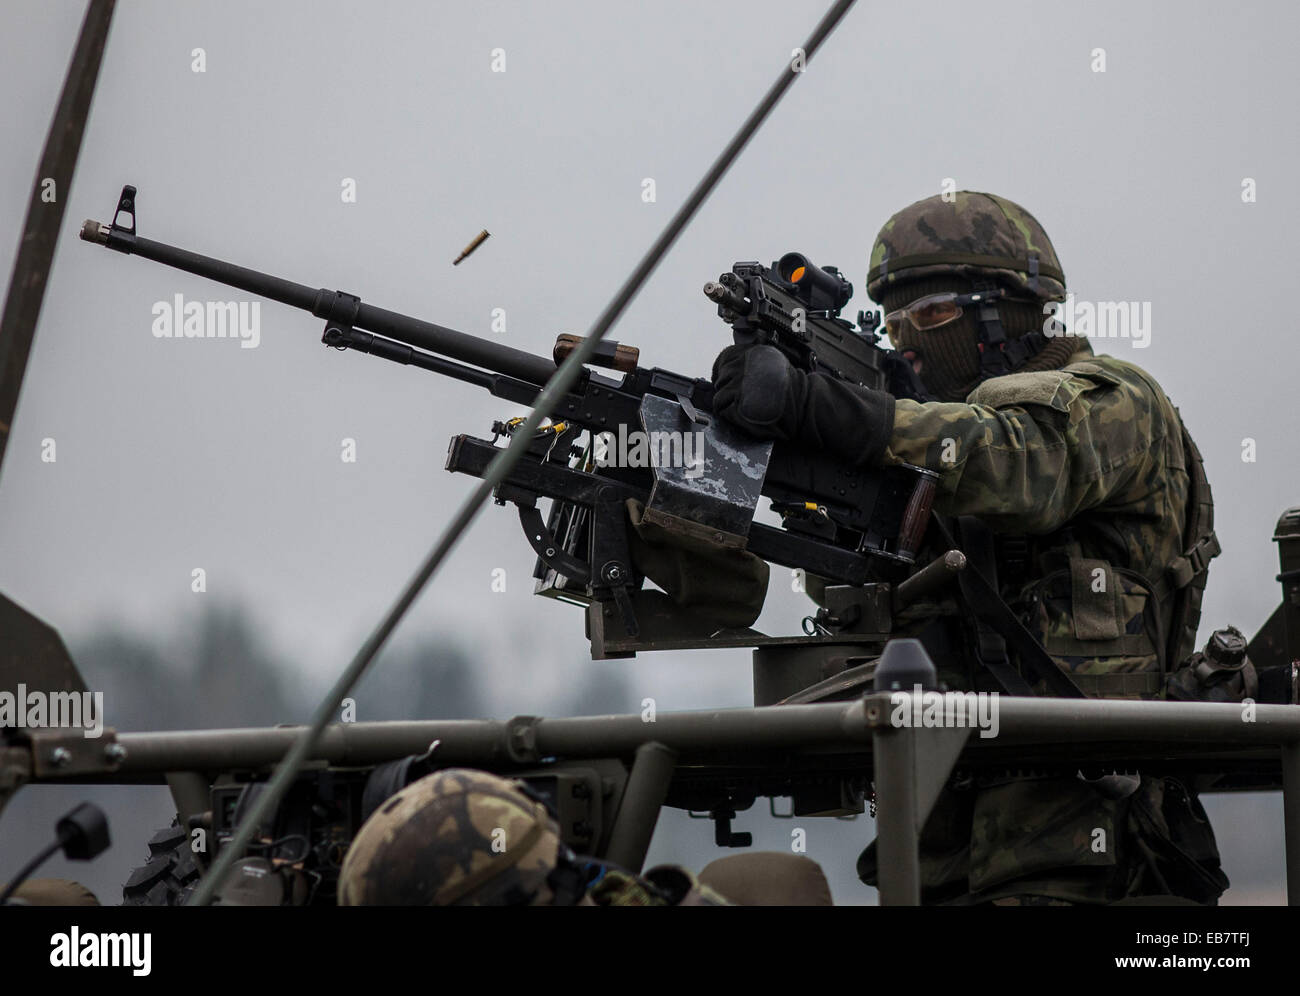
996, 625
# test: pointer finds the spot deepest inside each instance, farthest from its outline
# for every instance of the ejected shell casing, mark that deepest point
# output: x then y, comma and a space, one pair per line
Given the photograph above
478, 240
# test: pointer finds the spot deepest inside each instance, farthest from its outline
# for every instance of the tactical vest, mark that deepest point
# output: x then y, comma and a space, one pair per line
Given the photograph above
1175, 595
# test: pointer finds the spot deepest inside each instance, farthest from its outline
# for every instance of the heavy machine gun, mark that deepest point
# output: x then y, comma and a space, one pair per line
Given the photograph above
848, 525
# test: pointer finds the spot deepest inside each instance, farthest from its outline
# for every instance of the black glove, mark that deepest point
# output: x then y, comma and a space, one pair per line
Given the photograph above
756, 388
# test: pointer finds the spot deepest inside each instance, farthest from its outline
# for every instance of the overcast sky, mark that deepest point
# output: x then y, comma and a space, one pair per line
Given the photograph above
181, 454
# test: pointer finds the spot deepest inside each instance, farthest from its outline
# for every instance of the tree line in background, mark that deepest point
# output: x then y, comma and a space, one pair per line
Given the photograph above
223, 673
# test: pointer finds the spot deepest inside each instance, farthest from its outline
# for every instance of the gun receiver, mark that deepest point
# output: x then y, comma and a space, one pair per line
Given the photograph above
838, 522
795, 307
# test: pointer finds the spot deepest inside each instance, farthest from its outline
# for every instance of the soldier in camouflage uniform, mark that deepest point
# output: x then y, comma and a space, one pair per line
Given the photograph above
1078, 466
461, 837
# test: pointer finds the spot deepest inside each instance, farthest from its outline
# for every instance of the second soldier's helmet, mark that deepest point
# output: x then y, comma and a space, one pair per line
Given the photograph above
456, 837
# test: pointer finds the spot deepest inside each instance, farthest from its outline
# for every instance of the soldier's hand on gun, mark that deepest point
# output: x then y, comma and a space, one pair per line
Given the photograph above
756, 388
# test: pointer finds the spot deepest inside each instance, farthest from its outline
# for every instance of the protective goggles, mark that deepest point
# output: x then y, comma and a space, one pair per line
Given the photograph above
934, 311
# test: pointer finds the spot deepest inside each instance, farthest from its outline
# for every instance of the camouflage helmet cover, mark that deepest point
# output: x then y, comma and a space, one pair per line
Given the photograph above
457, 836
974, 235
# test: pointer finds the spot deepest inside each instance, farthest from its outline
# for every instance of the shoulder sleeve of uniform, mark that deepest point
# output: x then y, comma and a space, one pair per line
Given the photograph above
1035, 449
1059, 389
1052, 388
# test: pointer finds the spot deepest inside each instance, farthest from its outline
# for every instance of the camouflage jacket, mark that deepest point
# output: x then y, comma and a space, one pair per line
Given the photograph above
1088, 462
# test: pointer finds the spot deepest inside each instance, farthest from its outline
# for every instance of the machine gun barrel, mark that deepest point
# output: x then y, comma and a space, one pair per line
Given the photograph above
334, 306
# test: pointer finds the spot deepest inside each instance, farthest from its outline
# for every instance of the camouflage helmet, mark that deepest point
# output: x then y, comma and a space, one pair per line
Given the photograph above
976, 236
456, 837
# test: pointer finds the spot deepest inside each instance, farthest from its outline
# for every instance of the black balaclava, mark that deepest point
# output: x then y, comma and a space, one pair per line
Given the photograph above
950, 356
